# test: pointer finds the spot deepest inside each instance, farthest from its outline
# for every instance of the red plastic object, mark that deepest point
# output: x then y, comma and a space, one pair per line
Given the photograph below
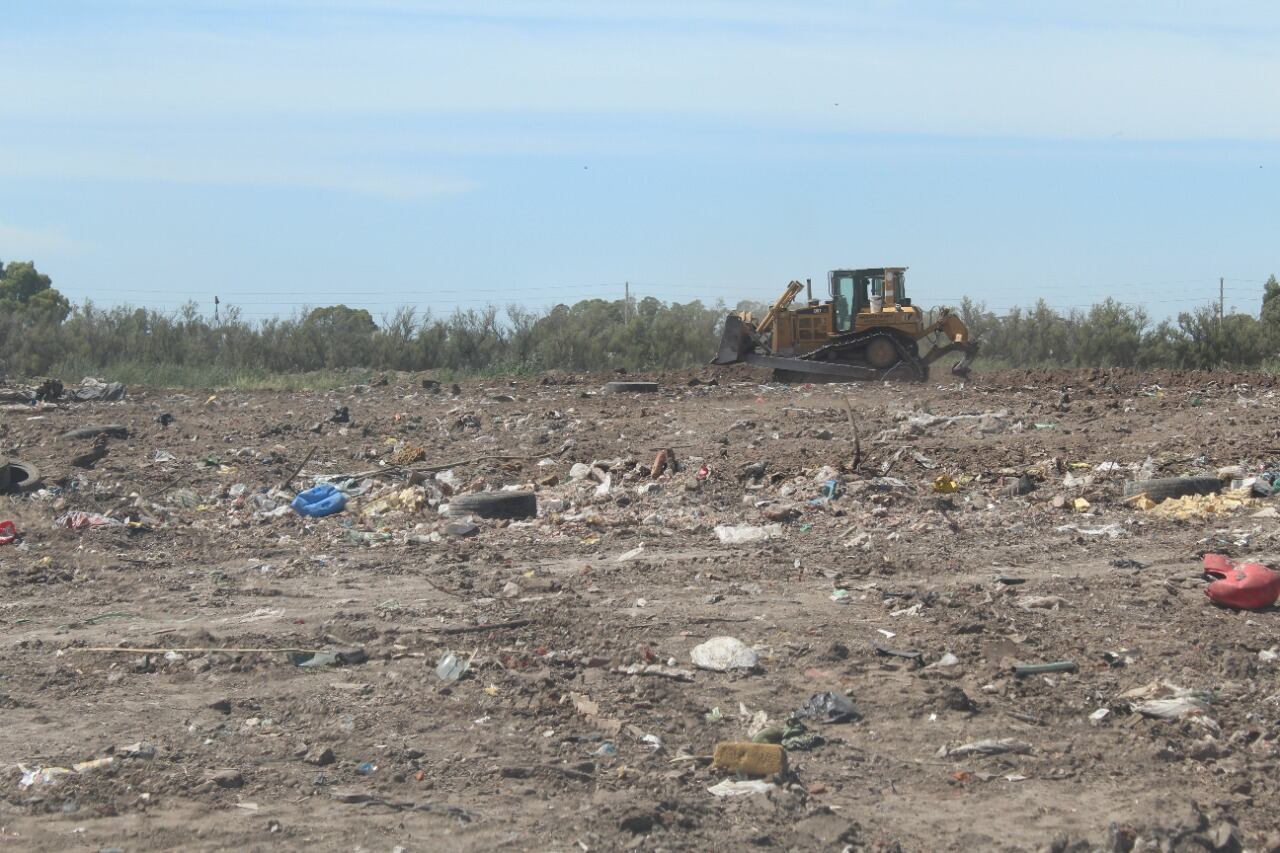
8, 532
1248, 586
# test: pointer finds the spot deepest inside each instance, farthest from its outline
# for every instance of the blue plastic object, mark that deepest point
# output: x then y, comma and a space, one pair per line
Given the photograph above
318, 502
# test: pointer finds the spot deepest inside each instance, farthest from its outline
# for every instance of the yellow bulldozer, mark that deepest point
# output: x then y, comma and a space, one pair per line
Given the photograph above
869, 330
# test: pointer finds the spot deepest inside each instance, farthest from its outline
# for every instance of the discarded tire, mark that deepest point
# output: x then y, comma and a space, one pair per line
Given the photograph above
495, 505
17, 476
631, 387
1173, 487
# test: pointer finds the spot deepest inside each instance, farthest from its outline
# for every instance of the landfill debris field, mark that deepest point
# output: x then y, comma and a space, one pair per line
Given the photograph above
711, 614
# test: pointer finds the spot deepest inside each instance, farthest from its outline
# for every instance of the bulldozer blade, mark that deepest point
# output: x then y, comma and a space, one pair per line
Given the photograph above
735, 342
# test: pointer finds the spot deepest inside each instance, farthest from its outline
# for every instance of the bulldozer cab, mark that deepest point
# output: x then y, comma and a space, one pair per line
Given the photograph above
853, 291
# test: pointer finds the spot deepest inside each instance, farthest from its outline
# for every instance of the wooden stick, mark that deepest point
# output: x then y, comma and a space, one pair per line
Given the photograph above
475, 629
426, 469
857, 439
284, 484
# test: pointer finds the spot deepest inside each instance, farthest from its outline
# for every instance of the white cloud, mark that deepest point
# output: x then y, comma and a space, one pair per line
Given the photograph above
17, 243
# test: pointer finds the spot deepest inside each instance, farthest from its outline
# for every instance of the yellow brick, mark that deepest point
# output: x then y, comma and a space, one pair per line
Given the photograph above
751, 759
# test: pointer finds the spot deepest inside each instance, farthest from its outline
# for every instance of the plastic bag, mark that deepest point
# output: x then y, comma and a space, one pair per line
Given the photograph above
323, 500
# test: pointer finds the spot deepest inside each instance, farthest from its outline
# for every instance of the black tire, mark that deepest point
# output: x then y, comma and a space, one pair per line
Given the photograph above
631, 387
112, 430
17, 476
495, 505
1173, 487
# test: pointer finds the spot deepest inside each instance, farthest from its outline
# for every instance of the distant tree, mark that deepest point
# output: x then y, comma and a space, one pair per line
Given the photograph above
24, 290
341, 320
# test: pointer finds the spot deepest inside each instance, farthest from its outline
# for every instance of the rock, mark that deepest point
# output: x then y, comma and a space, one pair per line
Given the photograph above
320, 757
955, 699
722, 654
227, 779
1225, 838
750, 759
639, 822
836, 651
830, 829
222, 706
461, 529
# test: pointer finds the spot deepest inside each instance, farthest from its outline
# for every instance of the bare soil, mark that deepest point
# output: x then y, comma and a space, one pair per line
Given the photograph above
548, 742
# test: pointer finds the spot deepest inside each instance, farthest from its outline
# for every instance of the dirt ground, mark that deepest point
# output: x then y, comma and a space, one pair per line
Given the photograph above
557, 737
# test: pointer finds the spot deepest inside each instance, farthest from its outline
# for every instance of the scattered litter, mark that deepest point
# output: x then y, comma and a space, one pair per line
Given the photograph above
740, 534
829, 708
731, 788
1200, 506
997, 746
630, 555
1111, 531
41, 775
945, 485
80, 520
1172, 709
722, 654
317, 660
324, 499
1248, 586
1042, 602
450, 667
8, 532
750, 759
1022, 670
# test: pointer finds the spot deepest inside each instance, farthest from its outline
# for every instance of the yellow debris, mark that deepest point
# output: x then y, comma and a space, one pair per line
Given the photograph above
1081, 505
1200, 506
410, 500
945, 485
408, 455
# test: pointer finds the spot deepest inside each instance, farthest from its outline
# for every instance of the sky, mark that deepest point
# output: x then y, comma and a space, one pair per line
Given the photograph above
448, 154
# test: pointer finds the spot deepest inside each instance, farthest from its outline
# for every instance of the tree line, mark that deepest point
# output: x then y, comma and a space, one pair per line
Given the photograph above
42, 333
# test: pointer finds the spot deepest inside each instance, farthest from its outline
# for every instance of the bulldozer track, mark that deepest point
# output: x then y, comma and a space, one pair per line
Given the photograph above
847, 349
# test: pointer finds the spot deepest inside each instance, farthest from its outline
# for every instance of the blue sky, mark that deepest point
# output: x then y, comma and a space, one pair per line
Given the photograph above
445, 154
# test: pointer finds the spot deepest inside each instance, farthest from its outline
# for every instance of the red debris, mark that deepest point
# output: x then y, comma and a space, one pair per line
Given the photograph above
1248, 586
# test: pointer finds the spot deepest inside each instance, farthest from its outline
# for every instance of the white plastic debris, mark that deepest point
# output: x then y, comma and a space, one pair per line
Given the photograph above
630, 555
730, 788
739, 534
995, 746
1099, 716
579, 471
722, 654
1177, 708
1112, 531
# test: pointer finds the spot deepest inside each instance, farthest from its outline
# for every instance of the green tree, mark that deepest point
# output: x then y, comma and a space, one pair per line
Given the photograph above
31, 293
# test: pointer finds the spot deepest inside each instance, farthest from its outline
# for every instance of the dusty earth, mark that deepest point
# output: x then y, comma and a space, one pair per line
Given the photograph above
216, 739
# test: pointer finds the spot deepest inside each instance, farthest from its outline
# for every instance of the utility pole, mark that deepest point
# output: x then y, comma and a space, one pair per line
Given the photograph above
626, 302
1221, 301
